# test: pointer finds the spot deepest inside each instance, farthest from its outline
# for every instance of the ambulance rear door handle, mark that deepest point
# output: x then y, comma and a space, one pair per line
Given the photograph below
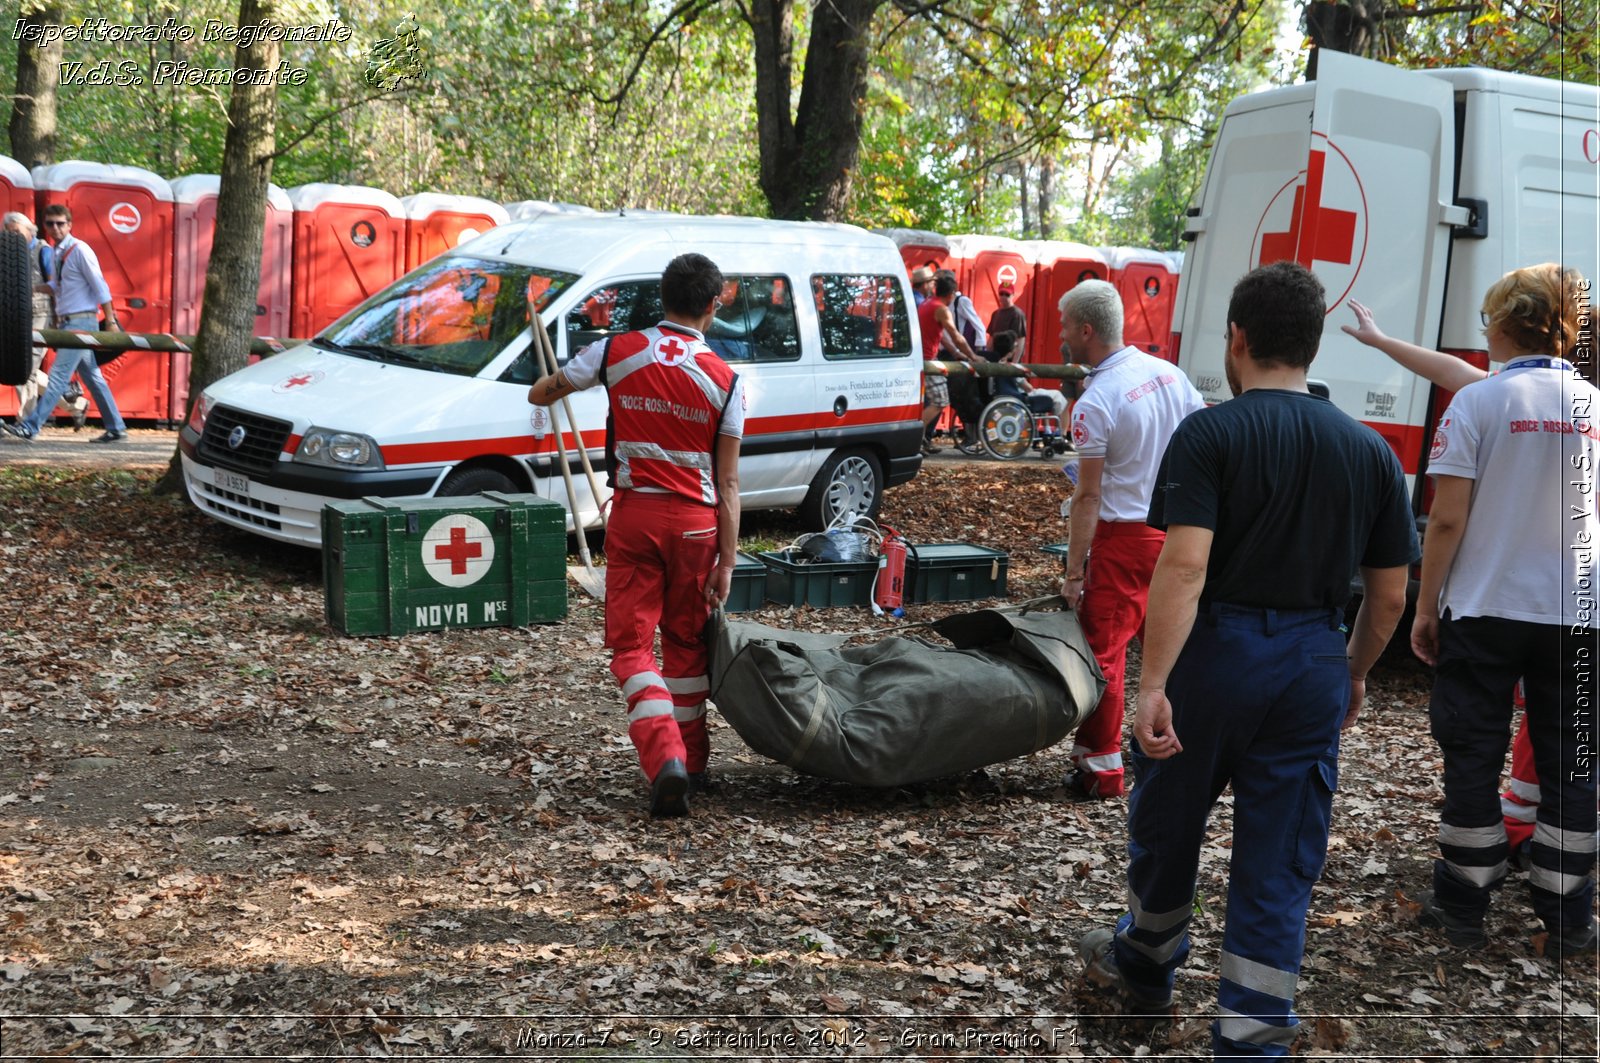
1468, 216
1193, 226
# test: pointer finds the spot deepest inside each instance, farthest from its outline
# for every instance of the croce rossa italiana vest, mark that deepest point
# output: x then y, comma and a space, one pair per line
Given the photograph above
668, 392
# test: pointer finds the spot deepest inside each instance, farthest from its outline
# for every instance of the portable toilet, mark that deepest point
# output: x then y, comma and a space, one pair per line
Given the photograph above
921, 247
992, 263
193, 227
349, 242
1144, 280
436, 223
16, 186
1059, 267
124, 214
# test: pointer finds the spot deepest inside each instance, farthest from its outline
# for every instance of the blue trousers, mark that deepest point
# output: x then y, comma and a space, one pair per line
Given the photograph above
1480, 660
76, 360
1257, 698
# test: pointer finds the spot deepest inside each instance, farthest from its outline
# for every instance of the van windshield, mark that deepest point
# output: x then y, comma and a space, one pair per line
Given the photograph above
452, 315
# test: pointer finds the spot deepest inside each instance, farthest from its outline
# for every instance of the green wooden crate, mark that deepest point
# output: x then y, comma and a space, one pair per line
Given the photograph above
390, 566
793, 581
955, 572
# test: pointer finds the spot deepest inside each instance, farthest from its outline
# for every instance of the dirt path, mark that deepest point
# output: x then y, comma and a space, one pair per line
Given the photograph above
225, 829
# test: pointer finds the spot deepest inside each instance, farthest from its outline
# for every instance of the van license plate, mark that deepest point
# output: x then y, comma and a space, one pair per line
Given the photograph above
231, 481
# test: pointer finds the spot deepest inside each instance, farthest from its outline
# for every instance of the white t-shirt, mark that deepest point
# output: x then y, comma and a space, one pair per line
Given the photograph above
1128, 412
1527, 439
583, 372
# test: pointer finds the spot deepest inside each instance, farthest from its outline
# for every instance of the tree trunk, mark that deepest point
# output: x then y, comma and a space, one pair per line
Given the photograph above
33, 109
1022, 198
227, 318
1047, 195
808, 154
1349, 26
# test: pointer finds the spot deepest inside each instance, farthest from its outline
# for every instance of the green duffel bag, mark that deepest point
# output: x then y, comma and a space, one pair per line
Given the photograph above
906, 709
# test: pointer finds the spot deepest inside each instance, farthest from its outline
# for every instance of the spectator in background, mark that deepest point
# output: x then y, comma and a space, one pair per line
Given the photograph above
81, 295
921, 284
967, 321
937, 325
40, 262
1009, 318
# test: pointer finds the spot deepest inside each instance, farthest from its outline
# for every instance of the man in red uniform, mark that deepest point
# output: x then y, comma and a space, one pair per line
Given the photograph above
677, 416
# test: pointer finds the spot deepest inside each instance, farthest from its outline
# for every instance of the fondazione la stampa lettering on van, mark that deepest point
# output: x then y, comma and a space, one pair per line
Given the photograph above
99, 30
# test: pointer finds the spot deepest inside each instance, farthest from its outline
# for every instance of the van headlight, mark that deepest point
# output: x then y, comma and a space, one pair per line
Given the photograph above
324, 446
199, 412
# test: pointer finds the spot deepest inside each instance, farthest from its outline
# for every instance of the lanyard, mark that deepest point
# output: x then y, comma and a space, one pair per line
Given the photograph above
1540, 363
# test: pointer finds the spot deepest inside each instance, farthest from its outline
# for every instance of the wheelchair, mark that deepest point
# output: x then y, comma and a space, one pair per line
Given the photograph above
1000, 423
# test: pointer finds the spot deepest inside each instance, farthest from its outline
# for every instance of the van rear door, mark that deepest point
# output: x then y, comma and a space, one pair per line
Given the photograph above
1352, 176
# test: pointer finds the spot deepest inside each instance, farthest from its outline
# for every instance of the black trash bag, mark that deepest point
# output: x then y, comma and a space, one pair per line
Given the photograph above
905, 709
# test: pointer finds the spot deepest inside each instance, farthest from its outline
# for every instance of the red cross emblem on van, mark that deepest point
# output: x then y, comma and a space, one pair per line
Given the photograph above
1318, 219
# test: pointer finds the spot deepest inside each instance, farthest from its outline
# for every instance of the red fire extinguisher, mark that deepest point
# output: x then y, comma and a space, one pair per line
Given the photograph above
891, 584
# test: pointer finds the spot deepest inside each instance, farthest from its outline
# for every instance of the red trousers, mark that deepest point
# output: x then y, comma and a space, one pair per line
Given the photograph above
660, 549
1520, 801
1121, 560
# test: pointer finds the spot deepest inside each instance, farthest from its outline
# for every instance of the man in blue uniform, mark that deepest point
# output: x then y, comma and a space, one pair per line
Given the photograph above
1271, 503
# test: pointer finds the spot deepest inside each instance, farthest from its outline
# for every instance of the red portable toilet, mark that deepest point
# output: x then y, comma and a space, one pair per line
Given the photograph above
16, 187
1144, 280
992, 262
1059, 267
921, 247
124, 214
349, 242
194, 223
436, 223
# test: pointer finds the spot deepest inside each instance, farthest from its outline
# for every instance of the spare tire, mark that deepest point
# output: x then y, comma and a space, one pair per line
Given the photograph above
16, 310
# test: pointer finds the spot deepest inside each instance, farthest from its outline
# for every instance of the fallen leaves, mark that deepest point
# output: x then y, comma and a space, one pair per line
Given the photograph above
211, 804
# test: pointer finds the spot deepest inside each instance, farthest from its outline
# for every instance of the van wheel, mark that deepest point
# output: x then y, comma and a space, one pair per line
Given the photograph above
16, 310
849, 481
472, 481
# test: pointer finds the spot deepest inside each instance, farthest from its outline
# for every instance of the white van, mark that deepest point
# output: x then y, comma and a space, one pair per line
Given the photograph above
422, 389
1410, 191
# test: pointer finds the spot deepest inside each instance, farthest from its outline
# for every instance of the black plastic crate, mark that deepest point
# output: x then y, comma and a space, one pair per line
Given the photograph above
955, 572
749, 588
819, 583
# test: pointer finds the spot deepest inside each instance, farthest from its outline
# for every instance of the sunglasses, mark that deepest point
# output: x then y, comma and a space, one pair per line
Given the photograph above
57, 224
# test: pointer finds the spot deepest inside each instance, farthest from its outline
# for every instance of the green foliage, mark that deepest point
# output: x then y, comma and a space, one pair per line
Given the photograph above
970, 104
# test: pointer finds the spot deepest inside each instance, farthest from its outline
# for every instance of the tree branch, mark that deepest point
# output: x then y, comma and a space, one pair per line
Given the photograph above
685, 11
335, 112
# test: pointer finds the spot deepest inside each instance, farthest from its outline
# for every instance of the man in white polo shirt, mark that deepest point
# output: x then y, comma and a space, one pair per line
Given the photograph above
81, 297
1120, 427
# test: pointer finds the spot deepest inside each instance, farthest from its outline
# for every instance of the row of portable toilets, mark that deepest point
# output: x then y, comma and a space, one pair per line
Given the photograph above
327, 247
1040, 272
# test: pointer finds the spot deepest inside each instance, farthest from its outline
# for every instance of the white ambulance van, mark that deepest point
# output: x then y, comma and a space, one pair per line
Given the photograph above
1409, 191
422, 389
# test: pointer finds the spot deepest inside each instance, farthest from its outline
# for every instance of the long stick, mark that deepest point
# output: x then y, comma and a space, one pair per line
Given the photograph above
591, 580
549, 355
